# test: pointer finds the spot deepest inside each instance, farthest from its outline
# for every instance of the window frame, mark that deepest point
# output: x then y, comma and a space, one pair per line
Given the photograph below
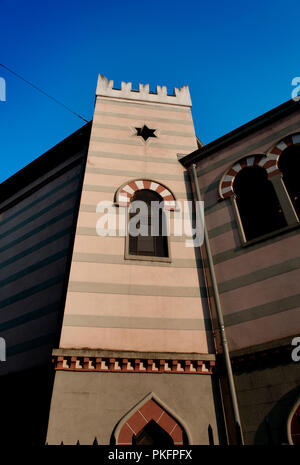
269, 161
287, 208
151, 258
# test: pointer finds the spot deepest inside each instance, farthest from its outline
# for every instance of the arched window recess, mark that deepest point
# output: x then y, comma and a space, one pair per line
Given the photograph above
147, 202
259, 197
286, 155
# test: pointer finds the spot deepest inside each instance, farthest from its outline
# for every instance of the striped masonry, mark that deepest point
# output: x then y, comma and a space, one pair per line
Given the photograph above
35, 235
268, 162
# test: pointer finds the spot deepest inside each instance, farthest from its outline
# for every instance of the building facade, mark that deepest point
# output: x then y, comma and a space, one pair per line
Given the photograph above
249, 181
119, 333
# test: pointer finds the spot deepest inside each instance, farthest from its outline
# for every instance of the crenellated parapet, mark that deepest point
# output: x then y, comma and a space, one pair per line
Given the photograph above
179, 97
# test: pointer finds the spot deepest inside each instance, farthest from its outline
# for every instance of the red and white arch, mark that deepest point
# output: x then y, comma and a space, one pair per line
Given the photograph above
284, 143
269, 162
125, 193
150, 410
226, 184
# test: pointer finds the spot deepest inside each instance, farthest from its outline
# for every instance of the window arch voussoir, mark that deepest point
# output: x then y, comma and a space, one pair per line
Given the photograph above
126, 192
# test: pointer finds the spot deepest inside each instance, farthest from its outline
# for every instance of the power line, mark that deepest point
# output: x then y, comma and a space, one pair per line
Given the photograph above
44, 93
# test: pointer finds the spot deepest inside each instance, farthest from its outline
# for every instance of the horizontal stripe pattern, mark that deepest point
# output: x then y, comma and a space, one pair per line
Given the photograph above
34, 245
264, 310
260, 275
128, 156
37, 201
132, 174
37, 230
37, 215
250, 148
149, 106
31, 291
111, 189
162, 132
35, 267
223, 228
135, 289
258, 282
36, 343
30, 316
238, 251
110, 140
86, 231
100, 321
145, 119
120, 260
107, 277
53, 238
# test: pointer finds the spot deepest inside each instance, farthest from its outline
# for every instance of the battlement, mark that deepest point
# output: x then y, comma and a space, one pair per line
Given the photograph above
179, 97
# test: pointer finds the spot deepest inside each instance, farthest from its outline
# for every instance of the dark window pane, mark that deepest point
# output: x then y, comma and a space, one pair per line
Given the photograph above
289, 165
156, 245
257, 203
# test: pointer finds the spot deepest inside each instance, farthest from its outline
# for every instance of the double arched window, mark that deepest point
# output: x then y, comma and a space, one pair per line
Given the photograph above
265, 190
289, 165
260, 212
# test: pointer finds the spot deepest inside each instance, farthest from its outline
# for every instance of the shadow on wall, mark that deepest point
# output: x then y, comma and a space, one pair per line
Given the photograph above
200, 271
273, 429
25, 405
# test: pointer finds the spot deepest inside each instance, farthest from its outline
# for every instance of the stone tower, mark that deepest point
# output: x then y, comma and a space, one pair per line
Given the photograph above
135, 362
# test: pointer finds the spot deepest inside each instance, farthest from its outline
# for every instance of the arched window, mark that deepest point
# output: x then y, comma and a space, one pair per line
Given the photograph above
148, 245
258, 206
289, 165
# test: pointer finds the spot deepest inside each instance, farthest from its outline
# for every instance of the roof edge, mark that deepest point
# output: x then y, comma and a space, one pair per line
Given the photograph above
48, 160
240, 132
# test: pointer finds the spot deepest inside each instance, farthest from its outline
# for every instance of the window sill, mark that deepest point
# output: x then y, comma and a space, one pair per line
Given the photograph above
147, 258
278, 232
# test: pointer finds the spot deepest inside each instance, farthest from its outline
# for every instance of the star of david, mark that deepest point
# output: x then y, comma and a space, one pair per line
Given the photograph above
145, 132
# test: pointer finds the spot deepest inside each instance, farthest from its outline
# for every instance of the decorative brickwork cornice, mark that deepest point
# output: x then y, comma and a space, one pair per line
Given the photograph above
150, 410
256, 360
132, 365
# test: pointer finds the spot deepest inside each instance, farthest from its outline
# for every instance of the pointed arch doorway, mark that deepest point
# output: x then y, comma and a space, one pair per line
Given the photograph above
151, 423
152, 435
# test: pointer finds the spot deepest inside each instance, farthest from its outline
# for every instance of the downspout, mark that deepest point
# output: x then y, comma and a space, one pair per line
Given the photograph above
220, 318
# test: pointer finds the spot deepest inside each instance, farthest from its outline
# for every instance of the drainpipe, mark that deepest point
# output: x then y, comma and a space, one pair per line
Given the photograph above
220, 319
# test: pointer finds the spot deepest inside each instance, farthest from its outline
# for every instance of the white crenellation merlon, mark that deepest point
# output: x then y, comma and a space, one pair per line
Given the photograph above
180, 96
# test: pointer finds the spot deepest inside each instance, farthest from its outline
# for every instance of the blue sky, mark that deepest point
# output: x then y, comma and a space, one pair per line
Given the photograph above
237, 57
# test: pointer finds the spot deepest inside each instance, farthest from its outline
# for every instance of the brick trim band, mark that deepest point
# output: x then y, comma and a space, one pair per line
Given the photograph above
254, 360
133, 365
124, 194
